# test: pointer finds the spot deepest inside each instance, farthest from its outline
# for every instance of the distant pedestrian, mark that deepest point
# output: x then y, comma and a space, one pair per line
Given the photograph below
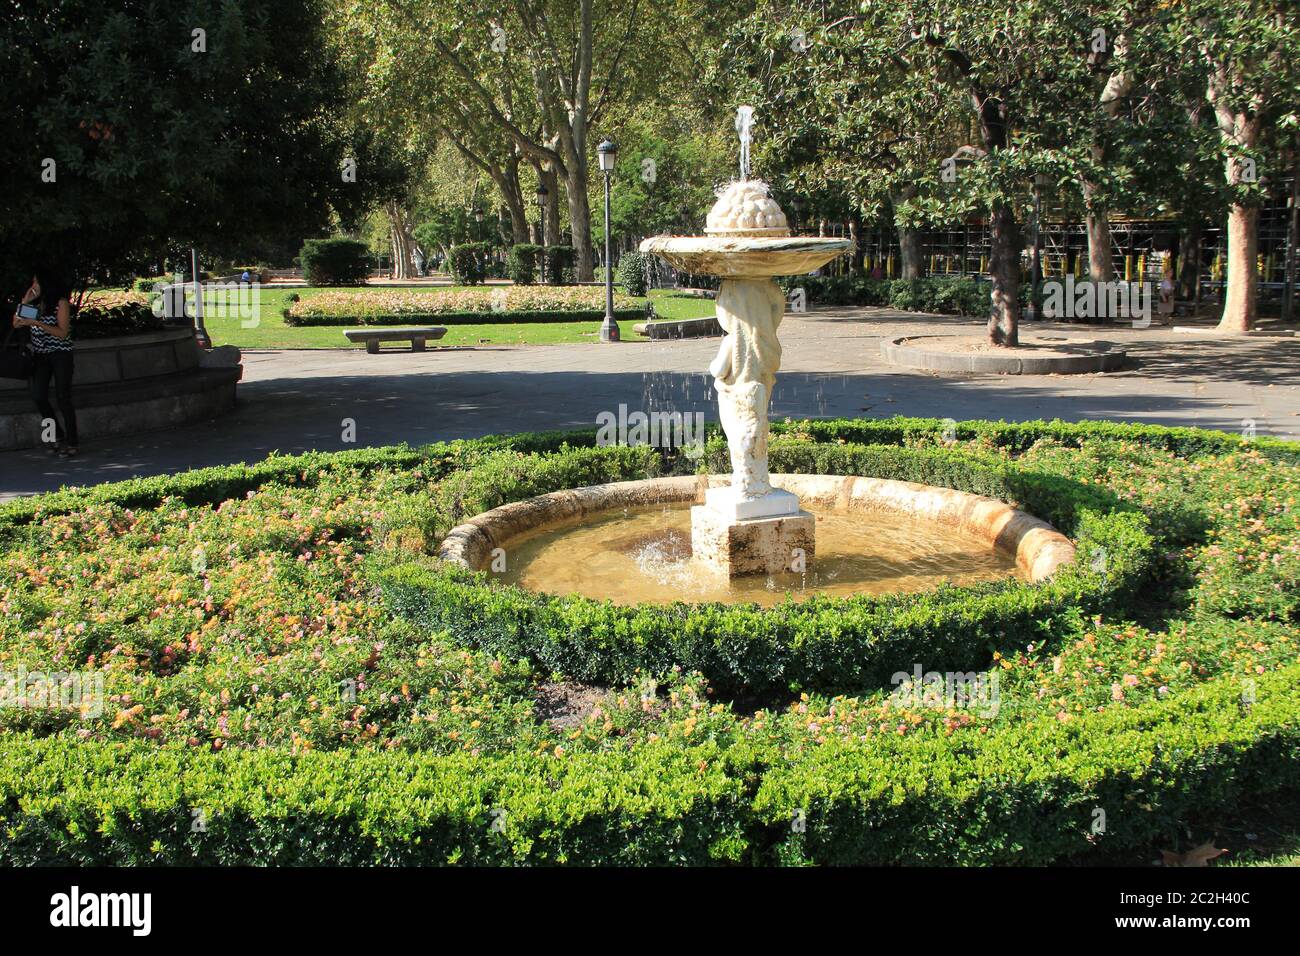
1165, 305
246, 277
50, 323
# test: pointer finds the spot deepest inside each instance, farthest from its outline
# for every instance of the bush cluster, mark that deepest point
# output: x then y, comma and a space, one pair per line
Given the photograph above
522, 263
939, 295
468, 262
561, 262
228, 609
632, 273
334, 261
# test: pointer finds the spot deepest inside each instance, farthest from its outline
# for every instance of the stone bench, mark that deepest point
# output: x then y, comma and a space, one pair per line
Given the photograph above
416, 335
679, 328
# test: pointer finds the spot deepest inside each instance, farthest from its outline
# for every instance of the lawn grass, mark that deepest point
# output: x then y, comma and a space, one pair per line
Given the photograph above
270, 332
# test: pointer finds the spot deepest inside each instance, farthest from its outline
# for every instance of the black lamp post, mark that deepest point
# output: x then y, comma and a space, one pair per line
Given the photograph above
607, 152
478, 218
200, 330
541, 227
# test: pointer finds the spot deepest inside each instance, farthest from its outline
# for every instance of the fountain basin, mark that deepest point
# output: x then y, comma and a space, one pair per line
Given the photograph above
968, 524
735, 257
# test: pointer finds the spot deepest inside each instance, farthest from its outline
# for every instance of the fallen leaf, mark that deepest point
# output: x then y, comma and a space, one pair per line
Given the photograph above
1197, 856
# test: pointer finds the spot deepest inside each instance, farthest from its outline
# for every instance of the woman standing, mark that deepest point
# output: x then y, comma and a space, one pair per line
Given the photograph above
51, 341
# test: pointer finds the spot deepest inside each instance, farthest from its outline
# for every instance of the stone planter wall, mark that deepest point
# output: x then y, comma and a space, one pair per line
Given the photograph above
126, 357
128, 384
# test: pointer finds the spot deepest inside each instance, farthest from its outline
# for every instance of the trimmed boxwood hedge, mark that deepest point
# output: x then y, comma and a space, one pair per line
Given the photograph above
1024, 792
1021, 796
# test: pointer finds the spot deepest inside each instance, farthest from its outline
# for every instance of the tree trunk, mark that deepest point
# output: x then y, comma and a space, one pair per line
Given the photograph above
1100, 265
1004, 270
518, 217
856, 252
580, 221
506, 179
400, 234
1239, 131
1117, 89
1189, 260
1243, 280
909, 253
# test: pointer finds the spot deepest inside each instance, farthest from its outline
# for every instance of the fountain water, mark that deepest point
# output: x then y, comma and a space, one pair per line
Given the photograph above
749, 527
629, 541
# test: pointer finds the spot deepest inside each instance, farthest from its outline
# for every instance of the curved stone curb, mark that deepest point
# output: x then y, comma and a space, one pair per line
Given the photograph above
1213, 331
1039, 549
897, 352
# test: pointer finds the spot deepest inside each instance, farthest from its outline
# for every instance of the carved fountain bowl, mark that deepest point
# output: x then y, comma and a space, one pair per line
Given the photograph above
742, 257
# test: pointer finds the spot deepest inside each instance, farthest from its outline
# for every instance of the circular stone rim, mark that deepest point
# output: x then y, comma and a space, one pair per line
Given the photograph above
746, 256
1038, 548
1103, 358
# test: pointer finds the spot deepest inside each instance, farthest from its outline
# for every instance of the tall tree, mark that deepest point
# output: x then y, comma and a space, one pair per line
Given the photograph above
1017, 72
138, 127
1251, 51
538, 75
838, 122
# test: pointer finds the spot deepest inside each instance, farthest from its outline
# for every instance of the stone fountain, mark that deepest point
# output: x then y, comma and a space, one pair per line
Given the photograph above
749, 527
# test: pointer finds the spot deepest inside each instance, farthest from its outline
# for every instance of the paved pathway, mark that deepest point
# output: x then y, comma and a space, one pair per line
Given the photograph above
293, 401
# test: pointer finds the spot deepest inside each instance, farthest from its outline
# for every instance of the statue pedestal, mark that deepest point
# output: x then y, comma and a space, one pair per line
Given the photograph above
750, 527
777, 503
732, 544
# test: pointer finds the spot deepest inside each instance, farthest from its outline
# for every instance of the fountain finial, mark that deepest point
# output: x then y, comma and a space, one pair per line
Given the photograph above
744, 127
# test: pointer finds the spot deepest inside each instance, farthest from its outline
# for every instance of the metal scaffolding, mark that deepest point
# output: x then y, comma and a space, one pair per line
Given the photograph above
1141, 248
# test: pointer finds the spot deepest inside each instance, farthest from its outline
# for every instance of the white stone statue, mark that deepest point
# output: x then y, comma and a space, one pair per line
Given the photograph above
744, 373
748, 527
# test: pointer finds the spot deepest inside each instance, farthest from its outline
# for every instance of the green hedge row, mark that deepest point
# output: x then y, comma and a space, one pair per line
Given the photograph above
1024, 794
822, 644
1018, 436
209, 486
504, 317
940, 295
214, 484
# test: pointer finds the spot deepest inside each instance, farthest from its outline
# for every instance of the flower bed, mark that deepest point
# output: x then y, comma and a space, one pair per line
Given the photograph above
501, 305
250, 672
109, 314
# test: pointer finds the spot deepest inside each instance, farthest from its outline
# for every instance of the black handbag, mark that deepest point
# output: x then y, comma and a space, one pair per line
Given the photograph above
16, 360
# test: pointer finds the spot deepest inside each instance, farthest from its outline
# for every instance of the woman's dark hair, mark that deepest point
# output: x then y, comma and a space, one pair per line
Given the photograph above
53, 288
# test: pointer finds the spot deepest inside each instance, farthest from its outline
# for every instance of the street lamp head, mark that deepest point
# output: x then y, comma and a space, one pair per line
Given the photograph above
542, 193
478, 215
607, 152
